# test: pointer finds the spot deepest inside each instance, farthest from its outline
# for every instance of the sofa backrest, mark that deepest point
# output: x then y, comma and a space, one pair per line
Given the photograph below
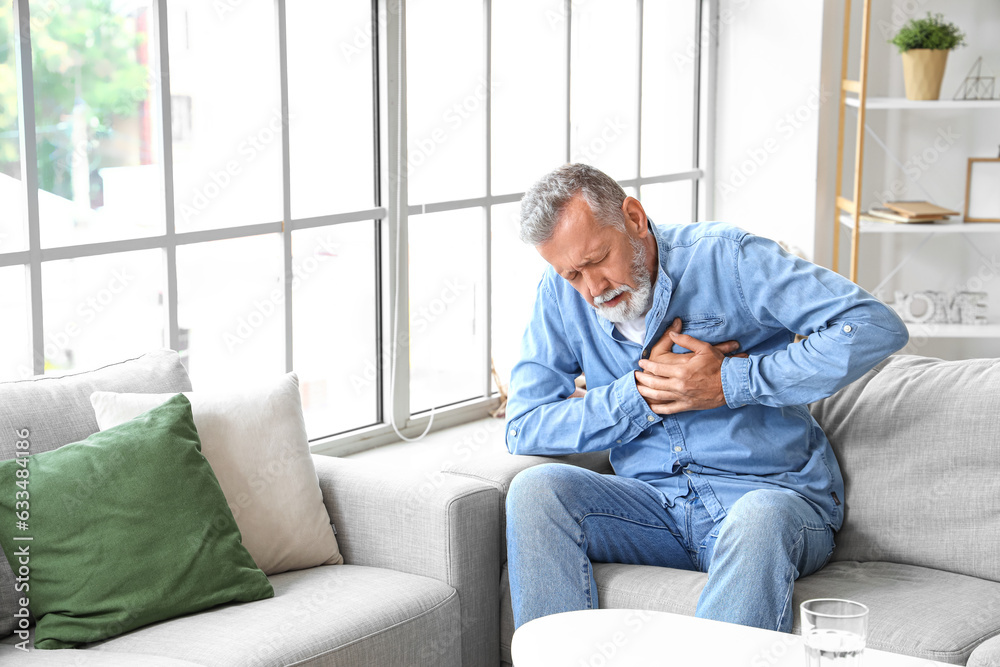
57, 411
918, 441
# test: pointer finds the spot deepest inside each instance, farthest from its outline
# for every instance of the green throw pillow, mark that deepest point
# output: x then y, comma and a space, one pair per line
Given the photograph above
127, 527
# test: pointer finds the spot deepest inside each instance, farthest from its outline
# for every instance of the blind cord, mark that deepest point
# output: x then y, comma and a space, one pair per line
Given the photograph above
400, 166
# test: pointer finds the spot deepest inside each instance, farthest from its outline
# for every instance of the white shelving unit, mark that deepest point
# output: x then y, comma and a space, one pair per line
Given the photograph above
953, 227
931, 330
930, 230
850, 210
922, 105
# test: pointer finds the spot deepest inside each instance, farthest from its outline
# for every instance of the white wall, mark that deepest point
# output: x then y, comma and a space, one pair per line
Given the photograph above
775, 171
769, 103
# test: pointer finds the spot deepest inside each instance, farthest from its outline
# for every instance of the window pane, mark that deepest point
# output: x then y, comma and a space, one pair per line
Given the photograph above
330, 131
226, 114
447, 337
230, 309
95, 119
335, 356
446, 105
669, 49
603, 91
529, 92
667, 203
15, 334
99, 310
12, 236
513, 291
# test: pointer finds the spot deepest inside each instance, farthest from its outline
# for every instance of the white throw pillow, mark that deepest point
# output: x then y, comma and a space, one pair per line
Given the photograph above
255, 441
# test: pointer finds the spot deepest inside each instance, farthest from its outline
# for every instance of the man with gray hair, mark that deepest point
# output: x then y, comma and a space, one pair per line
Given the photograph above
686, 335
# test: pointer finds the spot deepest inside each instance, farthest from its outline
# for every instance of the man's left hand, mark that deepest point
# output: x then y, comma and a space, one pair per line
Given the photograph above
673, 383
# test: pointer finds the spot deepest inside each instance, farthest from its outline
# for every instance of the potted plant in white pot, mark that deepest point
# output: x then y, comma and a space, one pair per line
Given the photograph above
924, 44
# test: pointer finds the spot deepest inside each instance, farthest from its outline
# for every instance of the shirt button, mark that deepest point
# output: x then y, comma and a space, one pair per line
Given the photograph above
677, 449
645, 354
848, 328
512, 432
650, 418
618, 441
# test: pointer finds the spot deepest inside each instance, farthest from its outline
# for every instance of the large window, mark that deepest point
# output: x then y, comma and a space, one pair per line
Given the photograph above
325, 188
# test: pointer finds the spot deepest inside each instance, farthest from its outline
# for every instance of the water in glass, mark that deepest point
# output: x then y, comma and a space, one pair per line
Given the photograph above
834, 648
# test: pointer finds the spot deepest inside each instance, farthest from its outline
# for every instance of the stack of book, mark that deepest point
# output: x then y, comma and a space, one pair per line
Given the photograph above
907, 211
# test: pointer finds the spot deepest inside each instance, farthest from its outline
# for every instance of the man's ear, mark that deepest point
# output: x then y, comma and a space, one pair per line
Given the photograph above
635, 217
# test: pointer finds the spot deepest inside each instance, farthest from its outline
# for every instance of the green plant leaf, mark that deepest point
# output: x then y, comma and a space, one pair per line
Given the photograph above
932, 32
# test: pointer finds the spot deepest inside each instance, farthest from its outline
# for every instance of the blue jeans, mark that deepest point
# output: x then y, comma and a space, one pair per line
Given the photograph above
561, 518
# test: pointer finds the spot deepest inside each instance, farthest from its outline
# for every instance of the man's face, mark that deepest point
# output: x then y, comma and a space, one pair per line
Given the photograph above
607, 266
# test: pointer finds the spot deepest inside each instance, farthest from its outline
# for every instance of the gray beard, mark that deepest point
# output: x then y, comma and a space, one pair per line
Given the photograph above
639, 298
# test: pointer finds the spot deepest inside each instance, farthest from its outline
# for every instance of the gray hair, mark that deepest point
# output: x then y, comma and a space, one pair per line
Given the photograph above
544, 202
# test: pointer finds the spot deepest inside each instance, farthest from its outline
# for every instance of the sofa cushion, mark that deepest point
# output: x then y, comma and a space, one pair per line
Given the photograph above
57, 411
444, 527
348, 615
127, 527
915, 611
255, 440
918, 441
9, 655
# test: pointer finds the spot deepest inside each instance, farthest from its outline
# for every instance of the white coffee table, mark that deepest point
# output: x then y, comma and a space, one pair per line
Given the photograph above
635, 638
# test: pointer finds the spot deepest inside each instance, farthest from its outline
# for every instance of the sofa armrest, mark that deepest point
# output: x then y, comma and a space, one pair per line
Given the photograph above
499, 471
444, 527
986, 654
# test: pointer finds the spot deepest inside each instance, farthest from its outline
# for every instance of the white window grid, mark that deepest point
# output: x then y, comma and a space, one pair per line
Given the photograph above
391, 221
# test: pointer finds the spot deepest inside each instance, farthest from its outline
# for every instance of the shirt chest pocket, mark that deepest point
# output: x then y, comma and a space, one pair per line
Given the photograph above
707, 327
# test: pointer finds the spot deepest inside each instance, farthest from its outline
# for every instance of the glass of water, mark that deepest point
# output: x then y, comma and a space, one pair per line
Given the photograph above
834, 632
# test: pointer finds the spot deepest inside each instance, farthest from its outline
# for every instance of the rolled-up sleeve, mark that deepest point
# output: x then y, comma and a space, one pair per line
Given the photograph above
542, 419
848, 331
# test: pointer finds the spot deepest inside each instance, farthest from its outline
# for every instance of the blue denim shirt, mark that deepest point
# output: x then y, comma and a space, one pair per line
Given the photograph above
724, 284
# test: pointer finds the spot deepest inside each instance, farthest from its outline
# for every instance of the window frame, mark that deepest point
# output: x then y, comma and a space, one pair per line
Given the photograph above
389, 215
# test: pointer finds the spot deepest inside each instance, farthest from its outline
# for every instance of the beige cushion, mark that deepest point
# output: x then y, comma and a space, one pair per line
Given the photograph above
255, 440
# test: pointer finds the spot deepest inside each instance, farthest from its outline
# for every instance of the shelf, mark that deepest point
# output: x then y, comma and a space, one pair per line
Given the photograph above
922, 227
930, 330
903, 103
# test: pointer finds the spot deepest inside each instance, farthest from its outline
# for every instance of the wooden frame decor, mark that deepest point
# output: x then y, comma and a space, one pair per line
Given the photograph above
982, 190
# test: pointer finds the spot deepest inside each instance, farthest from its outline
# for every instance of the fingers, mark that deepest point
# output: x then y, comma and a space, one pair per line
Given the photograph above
653, 382
663, 345
727, 347
690, 342
655, 389
670, 407
663, 368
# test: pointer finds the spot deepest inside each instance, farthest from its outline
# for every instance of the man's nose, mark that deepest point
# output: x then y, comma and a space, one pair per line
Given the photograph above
596, 284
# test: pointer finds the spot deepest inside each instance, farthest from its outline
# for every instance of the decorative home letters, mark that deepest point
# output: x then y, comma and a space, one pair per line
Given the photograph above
941, 307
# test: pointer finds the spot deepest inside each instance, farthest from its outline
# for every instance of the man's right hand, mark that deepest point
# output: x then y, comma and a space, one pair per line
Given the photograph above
671, 382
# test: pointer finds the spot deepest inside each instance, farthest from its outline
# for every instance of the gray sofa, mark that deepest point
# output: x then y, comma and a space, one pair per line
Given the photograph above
418, 586
918, 440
